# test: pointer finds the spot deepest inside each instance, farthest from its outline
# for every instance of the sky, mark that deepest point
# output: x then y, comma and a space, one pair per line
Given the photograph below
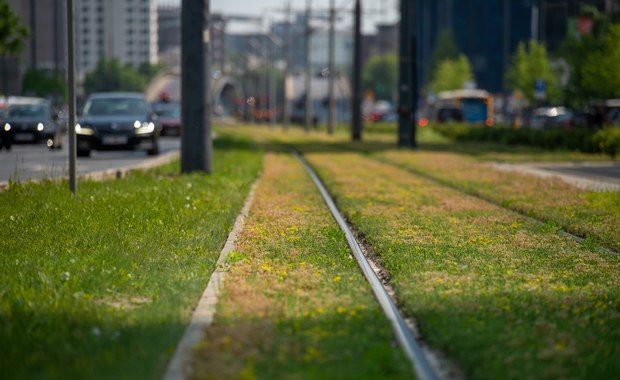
375, 11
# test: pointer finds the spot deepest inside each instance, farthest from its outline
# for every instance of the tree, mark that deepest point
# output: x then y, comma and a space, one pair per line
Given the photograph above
110, 75
445, 48
599, 73
45, 84
12, 32
578, 51
530, 65
451, 74
380, 76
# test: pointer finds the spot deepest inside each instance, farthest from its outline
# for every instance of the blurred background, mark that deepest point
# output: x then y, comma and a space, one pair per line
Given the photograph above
522, 63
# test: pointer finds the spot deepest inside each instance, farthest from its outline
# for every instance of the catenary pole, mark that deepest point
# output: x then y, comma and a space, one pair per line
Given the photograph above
287, 69
196, 144
331, 116
356, 128
71, 93
407, 68
308, 113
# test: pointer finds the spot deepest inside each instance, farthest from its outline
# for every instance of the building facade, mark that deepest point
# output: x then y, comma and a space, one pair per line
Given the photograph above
122, 29
45, 47
488, 32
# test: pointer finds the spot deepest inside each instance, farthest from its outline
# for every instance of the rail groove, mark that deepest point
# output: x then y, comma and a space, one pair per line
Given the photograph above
421, 365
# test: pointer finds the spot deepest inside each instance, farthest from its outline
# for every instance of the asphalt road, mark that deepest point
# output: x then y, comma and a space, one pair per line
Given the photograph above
25, 162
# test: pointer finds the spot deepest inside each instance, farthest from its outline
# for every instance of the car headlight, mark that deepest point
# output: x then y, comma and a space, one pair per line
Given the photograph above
144, 128
85, 130
7, 127
40, 127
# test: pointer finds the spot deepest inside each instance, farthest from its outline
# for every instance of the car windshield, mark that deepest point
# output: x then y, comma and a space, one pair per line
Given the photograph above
28, 110
173, 112
115, 107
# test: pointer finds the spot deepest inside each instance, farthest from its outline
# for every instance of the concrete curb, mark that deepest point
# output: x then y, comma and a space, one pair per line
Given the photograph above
113, 173
178, 367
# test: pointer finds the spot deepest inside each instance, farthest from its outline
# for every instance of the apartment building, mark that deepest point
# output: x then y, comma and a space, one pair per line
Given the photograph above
123, 29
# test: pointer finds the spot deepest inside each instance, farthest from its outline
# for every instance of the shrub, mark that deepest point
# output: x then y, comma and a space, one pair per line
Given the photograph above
569, 139
608, 141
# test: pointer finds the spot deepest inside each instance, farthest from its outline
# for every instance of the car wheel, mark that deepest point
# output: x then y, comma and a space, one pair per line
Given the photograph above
83, 153
154, 151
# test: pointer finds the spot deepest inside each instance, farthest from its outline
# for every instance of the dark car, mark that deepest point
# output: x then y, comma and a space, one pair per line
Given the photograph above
31, 120
117, 121
551, 117
170, 119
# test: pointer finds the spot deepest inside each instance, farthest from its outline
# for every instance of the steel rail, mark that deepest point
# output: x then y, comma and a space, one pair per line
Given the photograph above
407, 341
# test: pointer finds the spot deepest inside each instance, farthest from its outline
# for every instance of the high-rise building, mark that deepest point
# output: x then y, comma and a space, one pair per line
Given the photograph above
122, 29
45, 47
488, 32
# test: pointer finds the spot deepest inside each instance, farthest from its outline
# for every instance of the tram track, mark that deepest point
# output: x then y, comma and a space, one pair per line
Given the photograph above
423, 367
426, 362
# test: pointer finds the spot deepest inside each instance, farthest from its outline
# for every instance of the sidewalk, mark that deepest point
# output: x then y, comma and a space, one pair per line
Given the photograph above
594, 176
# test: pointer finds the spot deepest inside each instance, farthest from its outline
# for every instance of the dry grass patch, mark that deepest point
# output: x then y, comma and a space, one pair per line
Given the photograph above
594, 215
294, 304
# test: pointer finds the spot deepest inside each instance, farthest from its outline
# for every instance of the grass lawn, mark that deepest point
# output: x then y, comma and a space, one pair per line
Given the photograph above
101, 285
588, 214
294, 304
501, 296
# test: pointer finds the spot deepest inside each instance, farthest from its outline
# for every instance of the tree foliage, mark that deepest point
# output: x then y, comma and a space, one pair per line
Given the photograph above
599, 74
528, 65
445, 48
45, 84
110, 75
588, 73
380, 76
451, 74
12, 32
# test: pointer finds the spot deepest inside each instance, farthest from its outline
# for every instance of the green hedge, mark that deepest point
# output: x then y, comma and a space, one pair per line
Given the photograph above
608, 140
567, 139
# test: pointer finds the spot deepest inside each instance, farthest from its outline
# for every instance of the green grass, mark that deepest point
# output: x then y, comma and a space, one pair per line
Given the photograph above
588, 214
295, 305
101, 285
503, 297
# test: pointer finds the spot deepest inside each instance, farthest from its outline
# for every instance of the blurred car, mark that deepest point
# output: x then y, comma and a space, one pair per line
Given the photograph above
170, 119
31, 120
117, 121
382, 111
551, 117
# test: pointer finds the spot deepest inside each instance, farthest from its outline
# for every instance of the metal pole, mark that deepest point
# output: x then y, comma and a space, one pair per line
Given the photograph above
287, 69
308, 113
414, 75
71, 91
407, 86
356, 130
33, 36
196, 144
534, 22
332, 69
